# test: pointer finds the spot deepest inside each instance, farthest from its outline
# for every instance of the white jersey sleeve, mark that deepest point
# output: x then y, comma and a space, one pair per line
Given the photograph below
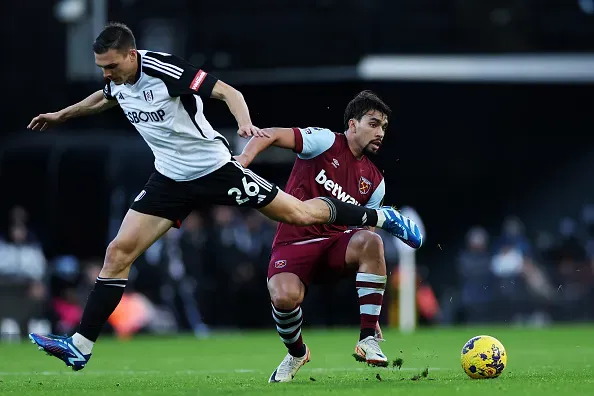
180, 77
311, 142
377, 198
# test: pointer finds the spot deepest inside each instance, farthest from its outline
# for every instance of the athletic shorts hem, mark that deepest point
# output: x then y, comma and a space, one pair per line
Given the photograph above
147, 211
230, 185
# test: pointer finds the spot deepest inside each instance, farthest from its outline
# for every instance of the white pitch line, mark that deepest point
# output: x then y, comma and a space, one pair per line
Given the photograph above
202, 372
322, 369
126, 372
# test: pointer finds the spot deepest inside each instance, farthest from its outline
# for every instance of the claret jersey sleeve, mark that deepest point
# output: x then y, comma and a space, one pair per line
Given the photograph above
180, 77
311, 142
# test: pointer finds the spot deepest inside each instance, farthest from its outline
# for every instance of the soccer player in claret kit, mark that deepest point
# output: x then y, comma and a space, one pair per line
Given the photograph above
162, 97
332, 166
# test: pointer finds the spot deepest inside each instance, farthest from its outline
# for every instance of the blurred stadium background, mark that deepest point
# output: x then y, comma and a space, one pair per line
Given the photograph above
491, 143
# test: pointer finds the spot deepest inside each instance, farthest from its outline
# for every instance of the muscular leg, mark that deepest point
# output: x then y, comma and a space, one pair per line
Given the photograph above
326, 210
287, 293
365, 252
288, 209
137, 233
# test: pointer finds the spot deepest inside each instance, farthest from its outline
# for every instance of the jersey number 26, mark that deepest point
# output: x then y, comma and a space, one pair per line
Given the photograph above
250, 188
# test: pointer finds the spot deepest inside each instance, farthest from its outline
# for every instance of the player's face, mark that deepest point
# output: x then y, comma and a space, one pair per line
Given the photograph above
370, 131
117, 66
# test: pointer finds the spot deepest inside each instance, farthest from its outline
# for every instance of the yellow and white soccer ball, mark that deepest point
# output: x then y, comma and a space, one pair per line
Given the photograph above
483, 357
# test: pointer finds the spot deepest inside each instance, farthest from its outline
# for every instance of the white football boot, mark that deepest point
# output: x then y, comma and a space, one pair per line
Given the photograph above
368, 350
285, 372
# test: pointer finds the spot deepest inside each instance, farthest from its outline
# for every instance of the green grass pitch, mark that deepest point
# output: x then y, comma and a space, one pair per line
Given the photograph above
554, 361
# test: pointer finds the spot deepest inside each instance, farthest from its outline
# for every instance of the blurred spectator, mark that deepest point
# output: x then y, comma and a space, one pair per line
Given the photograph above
19, 217
22, 274
230, 265
574, 274
476, 279
544, 245
521, 284
588, 217
192, 244
247, 285
511, 252
66, 303
183, 255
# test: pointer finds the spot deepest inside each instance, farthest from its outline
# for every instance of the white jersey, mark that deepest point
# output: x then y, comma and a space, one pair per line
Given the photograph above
165, 106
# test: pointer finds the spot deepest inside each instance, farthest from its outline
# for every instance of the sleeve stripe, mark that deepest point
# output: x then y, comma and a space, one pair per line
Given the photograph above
157, 65
161, 63
298, 141
198, 80
164, 71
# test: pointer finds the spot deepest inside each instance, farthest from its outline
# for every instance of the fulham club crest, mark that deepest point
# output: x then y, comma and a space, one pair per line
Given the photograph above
148, 95
364, 185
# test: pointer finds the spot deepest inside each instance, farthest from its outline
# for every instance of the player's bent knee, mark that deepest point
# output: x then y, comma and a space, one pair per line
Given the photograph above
285, 299
374, 241
285, 292
367, 248
370, 241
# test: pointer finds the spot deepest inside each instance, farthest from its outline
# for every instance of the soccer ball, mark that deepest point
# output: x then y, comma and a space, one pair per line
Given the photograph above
483, 357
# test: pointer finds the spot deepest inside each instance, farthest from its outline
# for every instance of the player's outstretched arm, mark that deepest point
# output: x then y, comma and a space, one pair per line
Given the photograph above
238, 108
280, 137
93, 104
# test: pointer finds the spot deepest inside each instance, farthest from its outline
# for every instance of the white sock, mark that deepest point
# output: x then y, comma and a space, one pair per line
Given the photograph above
381, 218
82, 343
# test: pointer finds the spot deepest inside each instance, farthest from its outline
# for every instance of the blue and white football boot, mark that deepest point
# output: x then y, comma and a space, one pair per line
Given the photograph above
401, 227
61, 347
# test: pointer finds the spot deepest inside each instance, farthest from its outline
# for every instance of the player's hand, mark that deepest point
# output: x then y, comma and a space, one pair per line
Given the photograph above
378, 331
246, 131
44, 121
242, 159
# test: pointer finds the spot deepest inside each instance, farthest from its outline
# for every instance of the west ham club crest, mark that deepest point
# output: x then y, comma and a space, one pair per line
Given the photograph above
148, 95
280, 263
364, 185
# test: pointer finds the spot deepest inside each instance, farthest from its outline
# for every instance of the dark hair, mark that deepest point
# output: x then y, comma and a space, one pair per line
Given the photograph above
115, 36
361, 104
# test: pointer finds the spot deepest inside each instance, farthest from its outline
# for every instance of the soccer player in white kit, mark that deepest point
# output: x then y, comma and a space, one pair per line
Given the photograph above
162, 96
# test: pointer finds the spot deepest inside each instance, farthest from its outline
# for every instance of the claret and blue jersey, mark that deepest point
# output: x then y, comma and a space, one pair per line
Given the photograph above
326, 167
